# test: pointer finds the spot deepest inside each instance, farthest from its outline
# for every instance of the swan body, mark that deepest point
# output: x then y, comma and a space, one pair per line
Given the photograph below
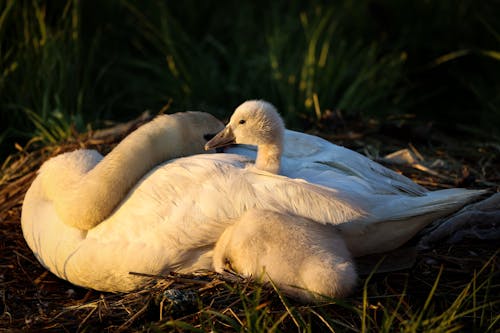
321, 162
74, 192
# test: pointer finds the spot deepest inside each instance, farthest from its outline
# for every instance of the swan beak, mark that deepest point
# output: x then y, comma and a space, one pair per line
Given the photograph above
222, 139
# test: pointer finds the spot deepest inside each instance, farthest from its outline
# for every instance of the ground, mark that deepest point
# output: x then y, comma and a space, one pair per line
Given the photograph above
445, 287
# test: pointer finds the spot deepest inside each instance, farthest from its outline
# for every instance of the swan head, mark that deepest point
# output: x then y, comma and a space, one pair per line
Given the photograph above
254, 122
198, 128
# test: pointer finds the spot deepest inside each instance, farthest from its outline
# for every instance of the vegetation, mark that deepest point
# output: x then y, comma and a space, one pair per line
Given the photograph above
75, 63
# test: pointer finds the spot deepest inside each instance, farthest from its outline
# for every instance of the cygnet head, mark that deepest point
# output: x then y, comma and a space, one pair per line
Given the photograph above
254, 122
258, 123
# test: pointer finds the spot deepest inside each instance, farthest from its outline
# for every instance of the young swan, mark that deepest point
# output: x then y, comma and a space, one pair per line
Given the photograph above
306, 260
255, 123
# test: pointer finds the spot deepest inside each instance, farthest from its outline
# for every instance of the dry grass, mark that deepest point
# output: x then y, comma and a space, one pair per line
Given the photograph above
452, 285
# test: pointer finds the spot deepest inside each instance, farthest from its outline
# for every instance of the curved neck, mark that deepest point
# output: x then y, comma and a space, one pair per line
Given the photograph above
92, 198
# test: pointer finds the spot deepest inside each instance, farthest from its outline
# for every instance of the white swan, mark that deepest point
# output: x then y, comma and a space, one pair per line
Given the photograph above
75, 192
396, 208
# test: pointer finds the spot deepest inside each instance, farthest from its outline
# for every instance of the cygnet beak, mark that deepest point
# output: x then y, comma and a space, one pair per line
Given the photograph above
222, 139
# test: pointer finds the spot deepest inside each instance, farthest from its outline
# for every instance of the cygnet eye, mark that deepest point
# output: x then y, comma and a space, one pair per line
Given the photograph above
242, 121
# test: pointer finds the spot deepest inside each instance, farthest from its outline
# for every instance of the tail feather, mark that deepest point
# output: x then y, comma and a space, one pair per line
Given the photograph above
444, 202
396, 222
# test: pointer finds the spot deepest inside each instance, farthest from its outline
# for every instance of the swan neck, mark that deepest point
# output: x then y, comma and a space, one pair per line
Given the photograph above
93, 197
269, 157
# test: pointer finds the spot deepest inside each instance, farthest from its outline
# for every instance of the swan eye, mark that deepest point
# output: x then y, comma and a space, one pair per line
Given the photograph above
208, 137
242, 121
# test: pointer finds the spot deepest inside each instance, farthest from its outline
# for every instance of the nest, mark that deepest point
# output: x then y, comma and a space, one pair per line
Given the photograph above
33, 299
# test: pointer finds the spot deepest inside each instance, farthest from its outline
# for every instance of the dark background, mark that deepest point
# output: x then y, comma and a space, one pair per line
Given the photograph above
67, 65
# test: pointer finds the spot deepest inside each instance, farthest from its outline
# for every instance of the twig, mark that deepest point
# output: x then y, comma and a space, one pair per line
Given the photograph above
131, 320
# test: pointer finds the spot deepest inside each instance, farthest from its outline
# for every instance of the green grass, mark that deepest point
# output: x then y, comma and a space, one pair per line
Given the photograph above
73, 63
44, 83
445, 308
